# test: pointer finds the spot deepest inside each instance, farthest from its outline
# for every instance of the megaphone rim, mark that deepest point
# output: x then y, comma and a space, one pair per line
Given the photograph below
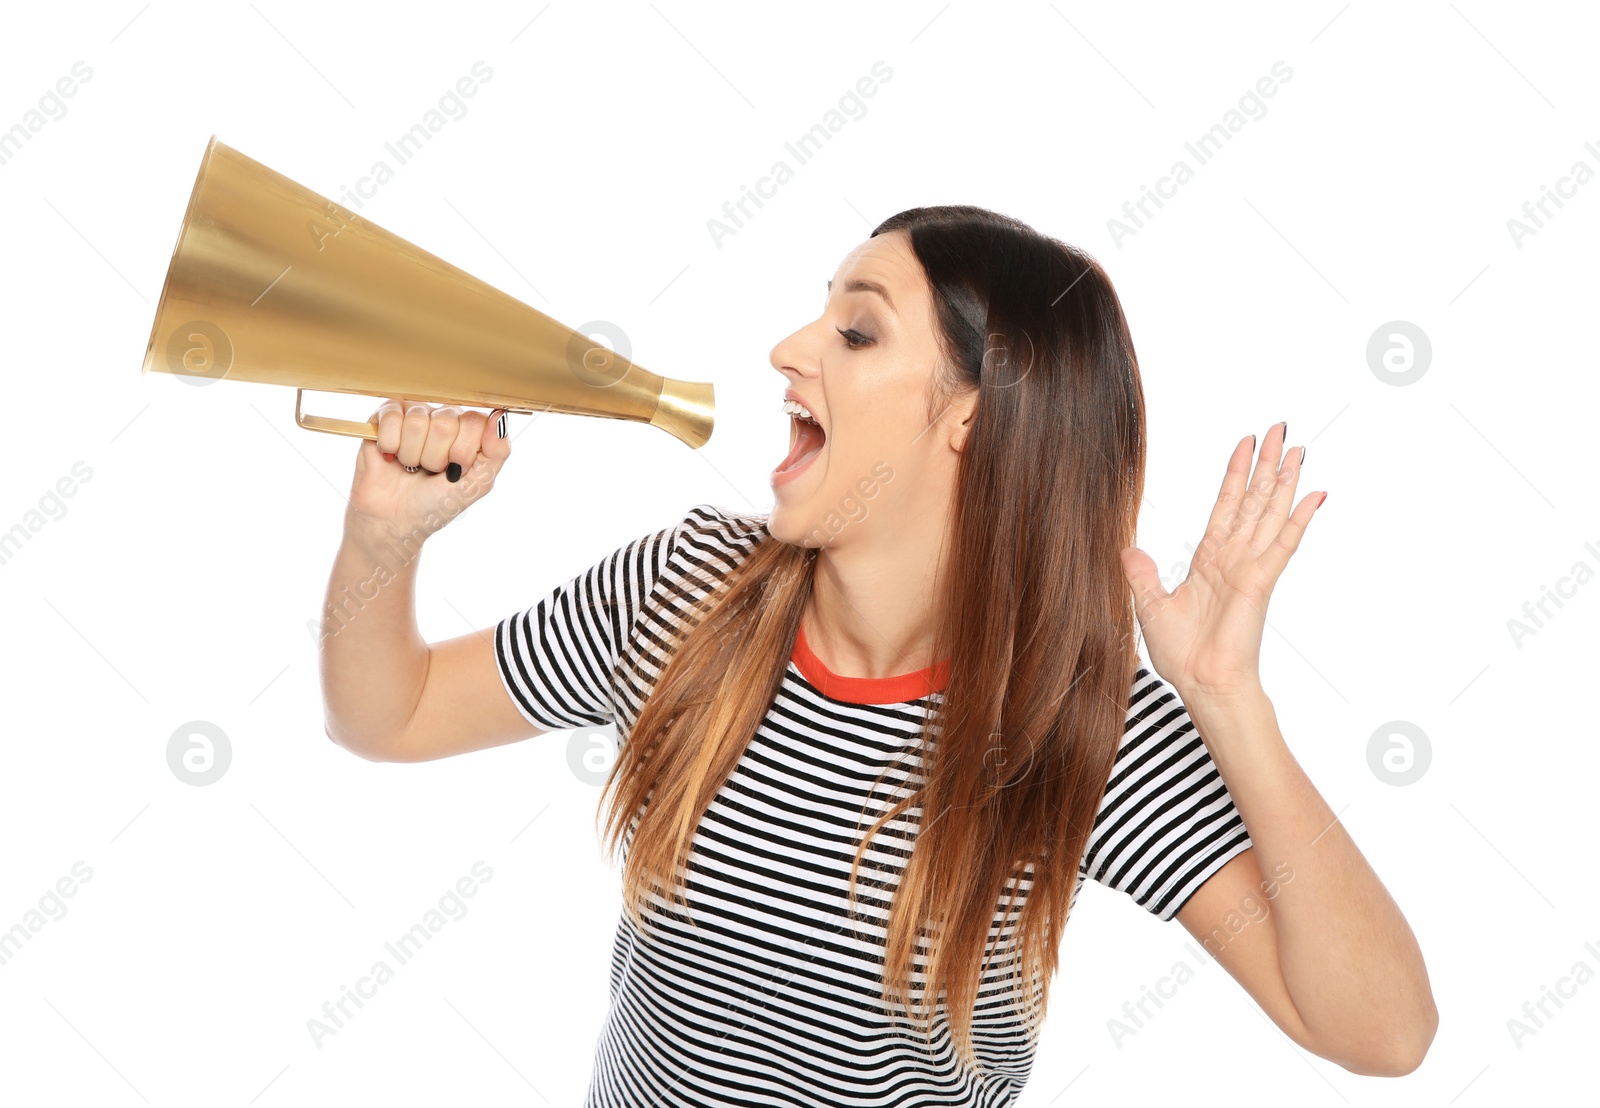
183, 231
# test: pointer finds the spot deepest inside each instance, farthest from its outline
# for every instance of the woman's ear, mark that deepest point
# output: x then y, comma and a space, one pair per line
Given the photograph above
958, 417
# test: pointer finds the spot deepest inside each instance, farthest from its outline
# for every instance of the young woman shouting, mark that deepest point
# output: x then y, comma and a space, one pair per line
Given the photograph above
872, 742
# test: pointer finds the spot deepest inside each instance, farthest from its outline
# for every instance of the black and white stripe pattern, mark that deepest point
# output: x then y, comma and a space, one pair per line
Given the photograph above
771, 995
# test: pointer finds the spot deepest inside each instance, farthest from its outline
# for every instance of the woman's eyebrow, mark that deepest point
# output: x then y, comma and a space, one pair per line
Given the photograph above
859, 285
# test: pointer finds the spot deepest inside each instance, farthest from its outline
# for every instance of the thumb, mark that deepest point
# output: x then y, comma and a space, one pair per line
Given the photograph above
1140, 569
496, 447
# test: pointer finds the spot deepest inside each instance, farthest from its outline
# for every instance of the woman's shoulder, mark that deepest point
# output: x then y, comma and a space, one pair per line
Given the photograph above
729, 524
711, 529
709, 540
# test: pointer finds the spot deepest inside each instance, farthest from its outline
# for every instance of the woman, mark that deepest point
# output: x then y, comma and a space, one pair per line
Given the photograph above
872, 742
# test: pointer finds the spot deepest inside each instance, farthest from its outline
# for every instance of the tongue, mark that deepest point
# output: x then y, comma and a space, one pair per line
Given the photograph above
806, 444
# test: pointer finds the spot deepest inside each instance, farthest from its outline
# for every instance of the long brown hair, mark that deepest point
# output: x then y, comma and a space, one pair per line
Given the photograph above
1035, 617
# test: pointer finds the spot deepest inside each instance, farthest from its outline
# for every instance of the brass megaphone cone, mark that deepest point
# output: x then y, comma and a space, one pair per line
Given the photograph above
270, 282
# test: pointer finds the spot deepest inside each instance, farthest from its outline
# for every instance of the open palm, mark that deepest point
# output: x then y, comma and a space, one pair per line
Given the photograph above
1204, 637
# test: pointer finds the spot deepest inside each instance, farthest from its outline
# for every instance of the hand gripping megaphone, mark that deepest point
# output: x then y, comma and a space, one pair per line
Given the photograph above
270, 282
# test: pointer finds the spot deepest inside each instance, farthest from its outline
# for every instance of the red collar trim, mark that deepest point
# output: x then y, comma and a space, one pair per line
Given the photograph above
900, 689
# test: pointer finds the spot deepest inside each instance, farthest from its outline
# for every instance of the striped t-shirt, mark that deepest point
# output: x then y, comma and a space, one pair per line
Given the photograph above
774, 998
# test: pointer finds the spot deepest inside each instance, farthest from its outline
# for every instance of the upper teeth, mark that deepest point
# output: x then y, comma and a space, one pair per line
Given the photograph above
794, 407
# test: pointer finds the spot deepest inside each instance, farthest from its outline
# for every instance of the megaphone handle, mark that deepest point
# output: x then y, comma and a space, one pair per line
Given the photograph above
332, 426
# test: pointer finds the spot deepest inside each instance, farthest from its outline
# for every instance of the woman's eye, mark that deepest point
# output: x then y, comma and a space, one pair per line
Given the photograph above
854, 338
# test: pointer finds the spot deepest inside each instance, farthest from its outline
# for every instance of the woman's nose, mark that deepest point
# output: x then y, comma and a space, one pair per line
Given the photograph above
791, 355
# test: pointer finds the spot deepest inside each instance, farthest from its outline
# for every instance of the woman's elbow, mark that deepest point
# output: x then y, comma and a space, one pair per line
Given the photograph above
372, 752
1401, 1049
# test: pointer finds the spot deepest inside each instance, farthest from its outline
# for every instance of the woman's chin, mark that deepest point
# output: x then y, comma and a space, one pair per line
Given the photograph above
787, 521
784, 521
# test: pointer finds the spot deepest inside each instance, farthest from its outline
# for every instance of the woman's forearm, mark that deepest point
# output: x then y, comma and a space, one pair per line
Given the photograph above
374, 661
1347, 955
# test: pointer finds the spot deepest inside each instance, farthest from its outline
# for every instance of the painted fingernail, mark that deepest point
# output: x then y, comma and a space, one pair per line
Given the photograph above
453, 472
1286, 429
388, 457
1302, 455
1324, 497
501, 425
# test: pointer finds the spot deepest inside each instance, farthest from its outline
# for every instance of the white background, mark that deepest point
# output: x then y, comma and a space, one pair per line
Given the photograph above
178, 584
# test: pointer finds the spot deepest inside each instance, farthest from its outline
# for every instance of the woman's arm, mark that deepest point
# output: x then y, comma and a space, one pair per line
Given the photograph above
1333, 961
1301, 921
373, 660
388, 695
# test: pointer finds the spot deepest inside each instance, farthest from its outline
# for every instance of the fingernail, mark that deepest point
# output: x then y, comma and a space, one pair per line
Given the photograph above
501, 425
1324, 497
453, 471
388, 457
1302, 455
1286, 429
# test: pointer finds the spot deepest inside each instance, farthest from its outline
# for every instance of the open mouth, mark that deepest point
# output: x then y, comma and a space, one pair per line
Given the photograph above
806, 440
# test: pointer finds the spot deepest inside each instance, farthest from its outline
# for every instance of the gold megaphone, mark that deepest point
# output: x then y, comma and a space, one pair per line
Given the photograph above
272, 283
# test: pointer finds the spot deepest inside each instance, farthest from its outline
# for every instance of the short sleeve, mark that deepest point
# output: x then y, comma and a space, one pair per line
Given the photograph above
1167, 821
558, 658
